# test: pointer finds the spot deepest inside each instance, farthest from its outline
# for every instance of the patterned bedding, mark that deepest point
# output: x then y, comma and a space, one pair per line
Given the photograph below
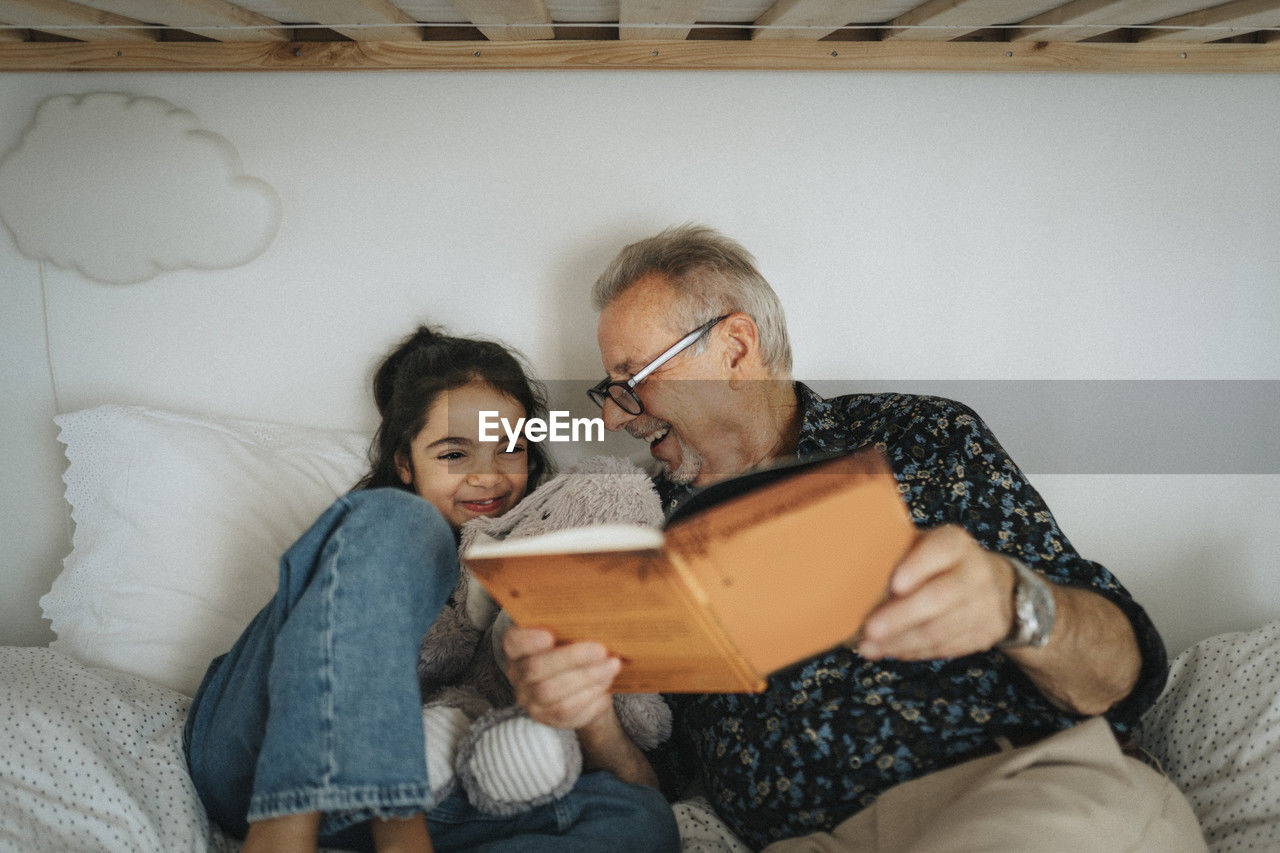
91, 760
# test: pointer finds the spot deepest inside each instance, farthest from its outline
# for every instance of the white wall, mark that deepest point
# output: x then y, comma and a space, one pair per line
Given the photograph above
917, 227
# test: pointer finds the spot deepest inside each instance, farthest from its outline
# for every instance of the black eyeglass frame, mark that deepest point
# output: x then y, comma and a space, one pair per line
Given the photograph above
625, 396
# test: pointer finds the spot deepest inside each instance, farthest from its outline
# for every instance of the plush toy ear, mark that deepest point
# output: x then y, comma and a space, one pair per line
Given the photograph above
499, 630
645, 717
480, 606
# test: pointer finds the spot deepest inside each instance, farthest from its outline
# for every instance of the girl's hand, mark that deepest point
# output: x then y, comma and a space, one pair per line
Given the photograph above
566, 687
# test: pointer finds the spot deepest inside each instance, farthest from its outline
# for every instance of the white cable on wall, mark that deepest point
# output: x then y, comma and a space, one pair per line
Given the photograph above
48, 342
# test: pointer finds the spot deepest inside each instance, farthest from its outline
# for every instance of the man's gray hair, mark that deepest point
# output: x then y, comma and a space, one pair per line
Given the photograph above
713, 275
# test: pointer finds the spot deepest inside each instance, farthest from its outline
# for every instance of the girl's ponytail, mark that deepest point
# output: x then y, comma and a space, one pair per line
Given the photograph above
384, 379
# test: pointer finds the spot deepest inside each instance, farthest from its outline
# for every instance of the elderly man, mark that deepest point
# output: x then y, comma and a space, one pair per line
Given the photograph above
982, 706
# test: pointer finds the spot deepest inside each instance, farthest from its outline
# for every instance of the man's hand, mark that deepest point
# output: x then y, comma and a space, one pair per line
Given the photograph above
949, 597
566, 687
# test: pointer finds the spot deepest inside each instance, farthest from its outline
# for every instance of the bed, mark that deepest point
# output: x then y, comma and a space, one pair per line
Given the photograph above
179, 521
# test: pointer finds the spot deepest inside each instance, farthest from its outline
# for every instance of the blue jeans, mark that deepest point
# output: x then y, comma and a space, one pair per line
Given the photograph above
316, 707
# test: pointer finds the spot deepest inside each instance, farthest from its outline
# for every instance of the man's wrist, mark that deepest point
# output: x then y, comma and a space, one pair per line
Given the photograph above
602, 728
606, 746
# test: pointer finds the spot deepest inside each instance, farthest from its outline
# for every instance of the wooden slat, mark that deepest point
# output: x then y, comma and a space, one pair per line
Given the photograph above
1100, 16
636, 18
940, 20
216, 19
74, 21
812, 19
508, 20
7, 34
770, 54
1241, 15
362, 20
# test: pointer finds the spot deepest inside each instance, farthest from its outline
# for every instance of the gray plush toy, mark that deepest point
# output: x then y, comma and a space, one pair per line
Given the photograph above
475, 734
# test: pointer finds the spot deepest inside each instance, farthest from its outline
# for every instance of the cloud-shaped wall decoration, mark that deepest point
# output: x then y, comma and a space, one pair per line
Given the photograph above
124, 188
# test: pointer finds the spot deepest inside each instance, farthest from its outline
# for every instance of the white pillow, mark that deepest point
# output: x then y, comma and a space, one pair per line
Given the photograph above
179, 526
1216, 731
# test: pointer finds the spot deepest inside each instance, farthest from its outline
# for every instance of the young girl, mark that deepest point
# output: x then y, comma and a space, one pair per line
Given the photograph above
310, 729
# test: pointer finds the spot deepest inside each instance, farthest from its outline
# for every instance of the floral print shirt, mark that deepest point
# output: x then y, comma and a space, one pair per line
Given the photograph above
830, 733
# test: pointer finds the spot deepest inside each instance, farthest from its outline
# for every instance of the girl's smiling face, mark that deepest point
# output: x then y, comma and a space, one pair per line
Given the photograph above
450, 466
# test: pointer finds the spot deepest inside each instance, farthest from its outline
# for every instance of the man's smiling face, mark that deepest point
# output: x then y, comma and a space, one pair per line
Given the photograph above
679, 420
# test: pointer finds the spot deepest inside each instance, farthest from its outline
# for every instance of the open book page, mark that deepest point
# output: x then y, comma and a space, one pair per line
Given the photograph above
573, 540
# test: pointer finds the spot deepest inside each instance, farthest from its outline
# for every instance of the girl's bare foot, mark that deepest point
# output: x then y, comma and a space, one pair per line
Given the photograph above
401, 836
287, 834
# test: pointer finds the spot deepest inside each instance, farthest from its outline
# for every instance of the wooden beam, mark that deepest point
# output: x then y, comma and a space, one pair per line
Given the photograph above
215, 19
1235, 18
8, 34
361, 20
811, 19
74, 21
942, 20
1096, 17
657, 19
770, 54
508, 20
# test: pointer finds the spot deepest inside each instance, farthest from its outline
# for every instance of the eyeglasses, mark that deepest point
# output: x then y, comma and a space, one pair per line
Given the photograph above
623, 392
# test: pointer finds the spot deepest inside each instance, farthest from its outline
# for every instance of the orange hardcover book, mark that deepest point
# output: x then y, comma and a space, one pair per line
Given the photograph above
750, 575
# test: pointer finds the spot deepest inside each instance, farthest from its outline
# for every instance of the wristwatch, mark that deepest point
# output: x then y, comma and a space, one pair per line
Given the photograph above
1033, 609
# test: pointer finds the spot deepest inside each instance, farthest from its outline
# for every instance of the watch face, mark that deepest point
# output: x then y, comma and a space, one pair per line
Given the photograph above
1041, 606
1033, 609
1026, 607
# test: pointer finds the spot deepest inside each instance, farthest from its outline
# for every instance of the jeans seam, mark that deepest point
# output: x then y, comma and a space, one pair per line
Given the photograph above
563, 819
377, 800
327, 677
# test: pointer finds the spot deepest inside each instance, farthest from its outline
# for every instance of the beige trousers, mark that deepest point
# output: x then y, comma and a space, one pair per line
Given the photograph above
1073, 792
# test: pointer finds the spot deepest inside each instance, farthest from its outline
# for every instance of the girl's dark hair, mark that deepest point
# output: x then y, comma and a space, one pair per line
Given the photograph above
423, 366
